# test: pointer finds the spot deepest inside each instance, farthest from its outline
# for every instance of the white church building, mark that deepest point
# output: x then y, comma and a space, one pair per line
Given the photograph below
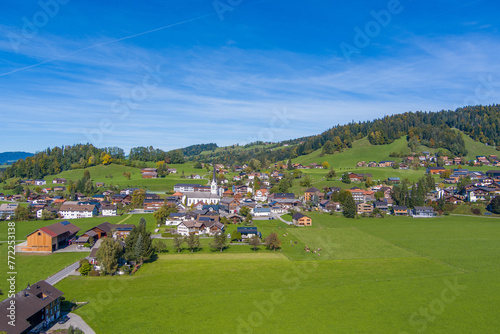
212, 197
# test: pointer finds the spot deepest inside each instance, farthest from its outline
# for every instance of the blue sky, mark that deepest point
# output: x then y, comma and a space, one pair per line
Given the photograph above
176, 73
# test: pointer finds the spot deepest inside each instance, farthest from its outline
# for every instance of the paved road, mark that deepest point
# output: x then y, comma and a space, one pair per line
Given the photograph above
77, 322
63, 273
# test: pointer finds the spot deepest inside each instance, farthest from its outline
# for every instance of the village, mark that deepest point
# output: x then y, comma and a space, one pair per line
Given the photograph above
190, 211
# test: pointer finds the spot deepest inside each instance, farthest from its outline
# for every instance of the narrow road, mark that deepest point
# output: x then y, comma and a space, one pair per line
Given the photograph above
284, 221
63, 273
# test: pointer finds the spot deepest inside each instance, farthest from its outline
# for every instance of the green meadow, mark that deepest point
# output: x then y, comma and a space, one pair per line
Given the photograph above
34, 267
114, 175
388, 275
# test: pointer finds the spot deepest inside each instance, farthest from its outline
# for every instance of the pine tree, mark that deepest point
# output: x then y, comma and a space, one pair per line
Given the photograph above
138, 250
349, 207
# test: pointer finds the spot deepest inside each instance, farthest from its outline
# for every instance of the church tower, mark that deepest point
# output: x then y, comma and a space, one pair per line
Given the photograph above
213, 185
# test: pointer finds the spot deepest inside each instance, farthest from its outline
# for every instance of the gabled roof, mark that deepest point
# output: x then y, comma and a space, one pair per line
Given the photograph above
313, 190
28, 302
57, 229
299, 215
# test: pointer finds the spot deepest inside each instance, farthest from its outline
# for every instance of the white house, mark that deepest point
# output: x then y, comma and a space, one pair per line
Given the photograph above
277, 209
174, 219
72, 211
424, 212
261, 212
40, 182
186, 187
207, 226
108, 210
261, 195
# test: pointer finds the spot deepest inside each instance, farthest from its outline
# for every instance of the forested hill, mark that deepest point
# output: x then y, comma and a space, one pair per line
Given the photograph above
432, 129
7, 157
197, 149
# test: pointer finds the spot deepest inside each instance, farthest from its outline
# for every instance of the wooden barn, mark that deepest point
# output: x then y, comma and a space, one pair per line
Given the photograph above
50, 238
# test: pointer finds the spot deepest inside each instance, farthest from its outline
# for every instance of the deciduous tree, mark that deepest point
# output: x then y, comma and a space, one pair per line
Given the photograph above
254, 242
108, 254
272, 241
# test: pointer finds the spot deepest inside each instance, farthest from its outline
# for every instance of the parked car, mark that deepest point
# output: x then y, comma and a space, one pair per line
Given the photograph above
63, 319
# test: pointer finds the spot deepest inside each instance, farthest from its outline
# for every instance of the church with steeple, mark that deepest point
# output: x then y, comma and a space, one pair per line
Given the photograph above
212, 197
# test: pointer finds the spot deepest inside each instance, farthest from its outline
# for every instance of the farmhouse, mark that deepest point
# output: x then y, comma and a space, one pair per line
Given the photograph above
202, 225
35, 306
50, 238
300, 219
355, 177
59, 181
235, 218
72, 211
393, 180
106, 230
435, 170
121, 198
329, 206
149, 173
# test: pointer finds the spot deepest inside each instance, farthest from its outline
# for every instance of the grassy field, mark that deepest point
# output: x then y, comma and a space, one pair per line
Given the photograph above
361, 150
373, 276
33, 267
114, 175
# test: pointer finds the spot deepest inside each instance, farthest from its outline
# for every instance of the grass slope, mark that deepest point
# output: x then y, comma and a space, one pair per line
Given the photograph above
362, 150
114, 175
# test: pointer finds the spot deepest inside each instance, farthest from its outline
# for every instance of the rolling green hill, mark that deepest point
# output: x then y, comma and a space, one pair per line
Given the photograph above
114, 175
362, 150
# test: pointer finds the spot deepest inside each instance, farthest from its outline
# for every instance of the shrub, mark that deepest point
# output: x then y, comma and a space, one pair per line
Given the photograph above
85, 268
476, 211
94, 273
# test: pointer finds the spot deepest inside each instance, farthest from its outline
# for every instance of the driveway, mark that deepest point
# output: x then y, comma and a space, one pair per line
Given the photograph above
76, 321
69, 270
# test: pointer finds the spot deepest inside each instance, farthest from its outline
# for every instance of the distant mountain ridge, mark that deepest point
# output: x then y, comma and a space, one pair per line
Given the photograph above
8, 157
